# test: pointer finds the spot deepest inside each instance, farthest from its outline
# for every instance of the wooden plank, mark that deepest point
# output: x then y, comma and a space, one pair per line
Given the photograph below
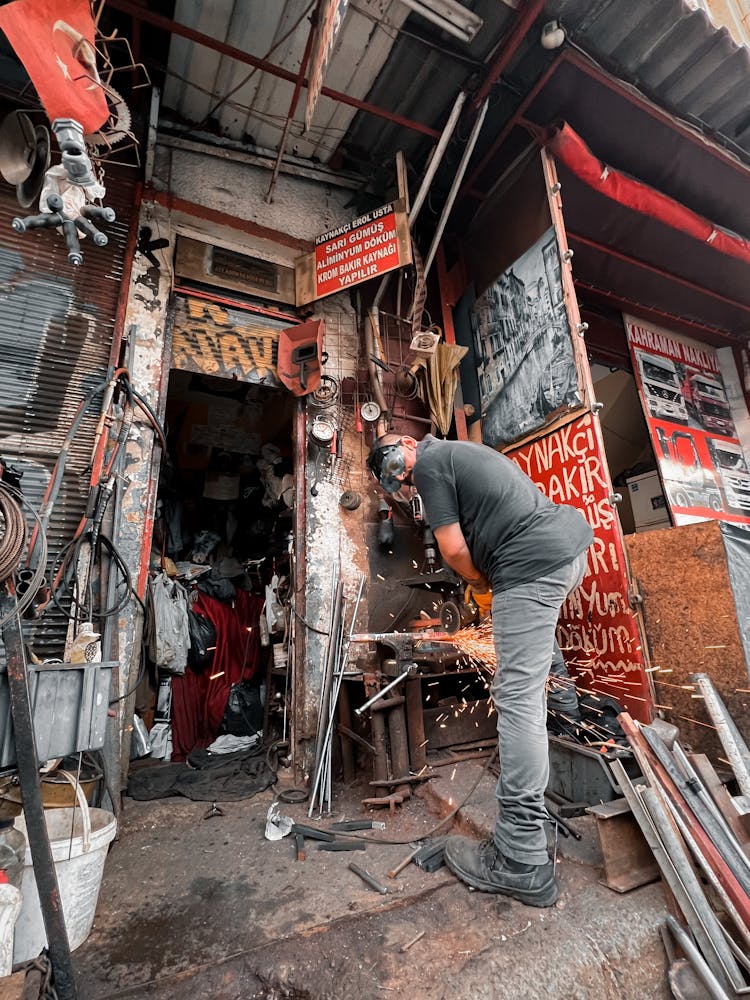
11, 987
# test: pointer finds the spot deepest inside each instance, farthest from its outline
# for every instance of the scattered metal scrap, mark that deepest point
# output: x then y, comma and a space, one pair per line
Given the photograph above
687, 823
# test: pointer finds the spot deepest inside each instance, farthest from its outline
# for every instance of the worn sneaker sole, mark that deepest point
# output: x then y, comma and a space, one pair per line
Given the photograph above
545, 895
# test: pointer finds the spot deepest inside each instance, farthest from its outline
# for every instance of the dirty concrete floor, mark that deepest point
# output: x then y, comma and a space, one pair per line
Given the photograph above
209, 908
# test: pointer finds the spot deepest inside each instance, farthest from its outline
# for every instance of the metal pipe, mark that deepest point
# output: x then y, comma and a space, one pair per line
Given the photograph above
700, 917
448, 206
435, 160
382, 691
183, 31
696, 960
36, 827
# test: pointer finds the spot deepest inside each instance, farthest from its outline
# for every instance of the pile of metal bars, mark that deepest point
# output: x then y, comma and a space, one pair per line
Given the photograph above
334, 666
696, 830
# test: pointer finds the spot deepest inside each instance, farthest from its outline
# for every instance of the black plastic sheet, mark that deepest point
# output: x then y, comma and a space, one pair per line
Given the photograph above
736, 539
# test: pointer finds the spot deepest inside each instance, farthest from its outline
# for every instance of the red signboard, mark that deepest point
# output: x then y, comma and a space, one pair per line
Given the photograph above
597, 631
701, 461
354, 252
55, 42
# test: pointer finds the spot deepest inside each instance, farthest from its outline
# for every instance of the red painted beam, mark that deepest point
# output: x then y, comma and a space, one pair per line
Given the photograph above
570, 149
654, 269
224, 48
510, 45
710, 334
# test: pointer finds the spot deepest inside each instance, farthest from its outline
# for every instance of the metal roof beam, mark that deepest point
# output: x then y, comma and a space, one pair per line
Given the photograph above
173, 27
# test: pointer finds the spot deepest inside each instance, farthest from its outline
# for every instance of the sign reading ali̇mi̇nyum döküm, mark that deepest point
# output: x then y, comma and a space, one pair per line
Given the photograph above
354, 252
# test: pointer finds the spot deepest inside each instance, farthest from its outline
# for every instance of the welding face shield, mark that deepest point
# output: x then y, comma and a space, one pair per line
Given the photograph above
387, 462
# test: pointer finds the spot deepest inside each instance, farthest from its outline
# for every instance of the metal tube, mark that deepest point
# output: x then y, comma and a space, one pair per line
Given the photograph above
448, 206
382, 691
696, 960
36, 828
368, 878
733, 743
435, 161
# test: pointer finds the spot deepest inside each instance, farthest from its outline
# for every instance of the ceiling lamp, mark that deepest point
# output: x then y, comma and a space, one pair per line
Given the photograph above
449, 15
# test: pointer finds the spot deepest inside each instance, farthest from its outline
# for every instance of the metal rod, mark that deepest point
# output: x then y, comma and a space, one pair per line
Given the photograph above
733, 743
368, 878
424, 188
696, 960
448, 206
382, 691
36, 827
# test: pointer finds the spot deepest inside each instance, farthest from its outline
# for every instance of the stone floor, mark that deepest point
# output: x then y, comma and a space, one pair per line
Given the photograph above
193, 907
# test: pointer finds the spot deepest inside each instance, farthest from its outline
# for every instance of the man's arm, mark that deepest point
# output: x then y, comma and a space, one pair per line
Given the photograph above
455, 552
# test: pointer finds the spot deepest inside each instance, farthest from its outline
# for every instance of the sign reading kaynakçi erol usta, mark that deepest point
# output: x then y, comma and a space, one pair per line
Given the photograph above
597, 631
354, 252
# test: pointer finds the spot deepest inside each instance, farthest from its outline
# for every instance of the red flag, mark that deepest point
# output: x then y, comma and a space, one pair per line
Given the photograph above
55, 42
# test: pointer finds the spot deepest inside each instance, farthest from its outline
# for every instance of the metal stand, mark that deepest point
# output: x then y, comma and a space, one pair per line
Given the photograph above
28, 774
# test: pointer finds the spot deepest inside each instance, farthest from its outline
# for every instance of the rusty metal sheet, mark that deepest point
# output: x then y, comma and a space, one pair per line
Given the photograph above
56, 329
226, 341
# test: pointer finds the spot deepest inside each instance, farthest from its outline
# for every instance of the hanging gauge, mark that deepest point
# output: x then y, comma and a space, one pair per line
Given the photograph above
370, 411
327, 392
322, 431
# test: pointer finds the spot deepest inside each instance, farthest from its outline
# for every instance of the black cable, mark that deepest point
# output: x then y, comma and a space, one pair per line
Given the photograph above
307, 624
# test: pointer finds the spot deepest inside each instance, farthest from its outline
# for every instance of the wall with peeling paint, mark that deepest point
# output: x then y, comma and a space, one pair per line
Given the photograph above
303, 209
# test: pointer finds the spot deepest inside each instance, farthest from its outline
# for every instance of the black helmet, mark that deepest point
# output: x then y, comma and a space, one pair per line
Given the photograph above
385, 463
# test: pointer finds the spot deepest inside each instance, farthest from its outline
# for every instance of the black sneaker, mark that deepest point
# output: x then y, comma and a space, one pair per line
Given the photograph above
482, 866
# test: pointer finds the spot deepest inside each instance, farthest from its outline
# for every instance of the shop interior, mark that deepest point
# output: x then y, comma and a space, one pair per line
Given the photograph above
222, 542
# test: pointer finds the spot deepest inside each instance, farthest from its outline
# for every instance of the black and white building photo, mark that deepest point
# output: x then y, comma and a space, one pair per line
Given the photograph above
523, 346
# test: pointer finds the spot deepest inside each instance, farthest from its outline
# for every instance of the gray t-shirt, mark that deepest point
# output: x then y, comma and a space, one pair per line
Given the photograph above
515, 534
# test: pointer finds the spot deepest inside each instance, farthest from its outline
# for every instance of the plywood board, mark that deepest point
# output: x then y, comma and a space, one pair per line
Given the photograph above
691, 626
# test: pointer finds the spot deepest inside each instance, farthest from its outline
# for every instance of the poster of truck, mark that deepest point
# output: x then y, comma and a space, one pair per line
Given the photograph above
702, 466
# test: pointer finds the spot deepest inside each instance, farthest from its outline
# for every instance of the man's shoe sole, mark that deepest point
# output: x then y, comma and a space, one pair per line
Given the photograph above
545, 895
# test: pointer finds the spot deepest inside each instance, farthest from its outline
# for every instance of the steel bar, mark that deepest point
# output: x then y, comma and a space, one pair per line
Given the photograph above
734, 857
666, 862
655, 773
460, 171
424, 188
382, 691
727, 903
697, 961
709, 936
36, 827
368, 878
733, 743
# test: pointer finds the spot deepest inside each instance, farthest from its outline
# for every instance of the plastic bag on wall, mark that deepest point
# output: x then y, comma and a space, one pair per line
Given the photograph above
171, 635
736, 538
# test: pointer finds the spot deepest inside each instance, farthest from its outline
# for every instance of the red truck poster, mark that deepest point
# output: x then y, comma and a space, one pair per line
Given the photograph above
597, 630
701, 462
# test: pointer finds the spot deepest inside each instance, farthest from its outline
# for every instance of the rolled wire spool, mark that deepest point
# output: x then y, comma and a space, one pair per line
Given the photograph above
13, 536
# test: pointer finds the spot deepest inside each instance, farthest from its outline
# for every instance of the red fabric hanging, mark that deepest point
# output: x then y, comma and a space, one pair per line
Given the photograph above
199, 700
568, 147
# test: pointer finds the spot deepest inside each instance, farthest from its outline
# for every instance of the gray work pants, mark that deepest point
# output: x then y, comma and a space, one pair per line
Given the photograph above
524, 620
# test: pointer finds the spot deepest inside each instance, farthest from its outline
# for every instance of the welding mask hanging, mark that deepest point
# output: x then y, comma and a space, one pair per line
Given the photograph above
387, 462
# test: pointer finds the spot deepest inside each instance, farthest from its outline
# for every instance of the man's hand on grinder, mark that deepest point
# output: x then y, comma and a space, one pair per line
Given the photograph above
479, 592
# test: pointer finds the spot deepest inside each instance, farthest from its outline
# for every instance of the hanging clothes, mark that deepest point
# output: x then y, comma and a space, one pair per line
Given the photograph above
199, 701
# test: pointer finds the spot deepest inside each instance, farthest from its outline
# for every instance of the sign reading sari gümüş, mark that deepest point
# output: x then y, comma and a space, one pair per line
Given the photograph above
354, 252
526, 367
700, 459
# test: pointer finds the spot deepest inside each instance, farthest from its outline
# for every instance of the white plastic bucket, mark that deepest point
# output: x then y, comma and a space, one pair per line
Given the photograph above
79, 864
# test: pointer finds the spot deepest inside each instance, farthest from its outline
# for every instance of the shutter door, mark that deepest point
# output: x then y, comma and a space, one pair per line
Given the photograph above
56, 331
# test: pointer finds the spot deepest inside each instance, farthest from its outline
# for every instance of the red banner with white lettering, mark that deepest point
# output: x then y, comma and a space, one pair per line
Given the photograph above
55, 42
701, 462
597, 630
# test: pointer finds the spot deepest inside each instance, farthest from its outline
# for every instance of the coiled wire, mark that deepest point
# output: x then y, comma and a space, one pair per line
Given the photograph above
14, 536
12, 543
